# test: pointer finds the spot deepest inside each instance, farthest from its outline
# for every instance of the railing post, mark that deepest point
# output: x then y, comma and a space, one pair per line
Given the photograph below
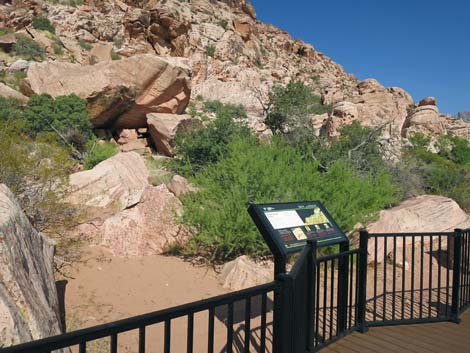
342, 290
362, 281
311, 294
283, 311
456, 276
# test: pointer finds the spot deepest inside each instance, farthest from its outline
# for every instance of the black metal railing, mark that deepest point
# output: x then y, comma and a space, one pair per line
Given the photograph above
213, 307
390, 279
411, 277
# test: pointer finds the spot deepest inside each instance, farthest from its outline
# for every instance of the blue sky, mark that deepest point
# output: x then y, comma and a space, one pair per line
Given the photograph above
422, 46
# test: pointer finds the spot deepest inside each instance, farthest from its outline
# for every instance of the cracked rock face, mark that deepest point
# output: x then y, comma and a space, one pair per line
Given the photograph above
118, 93
29, 306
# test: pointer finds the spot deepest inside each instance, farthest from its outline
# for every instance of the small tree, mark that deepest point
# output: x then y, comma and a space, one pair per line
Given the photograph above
28, 49
43, 23
290, 107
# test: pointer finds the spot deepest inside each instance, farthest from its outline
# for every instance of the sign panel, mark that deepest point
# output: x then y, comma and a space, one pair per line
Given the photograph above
287, 226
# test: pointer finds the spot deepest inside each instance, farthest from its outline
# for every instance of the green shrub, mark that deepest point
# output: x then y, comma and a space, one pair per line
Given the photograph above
291, 106
115, 56
28, 49
65, 116
99, 152
223, 24
256, 172
43, 23
85, 45
210, 50
10, 110
208, 144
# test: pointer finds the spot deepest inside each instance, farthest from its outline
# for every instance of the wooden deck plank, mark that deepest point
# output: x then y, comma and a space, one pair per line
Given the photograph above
443, 337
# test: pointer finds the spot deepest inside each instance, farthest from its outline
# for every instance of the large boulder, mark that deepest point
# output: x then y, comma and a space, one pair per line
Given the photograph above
119, 93
29, 306
243, 273
163, 129
111, 186
424, 119
426, 213
8, 92
147, 229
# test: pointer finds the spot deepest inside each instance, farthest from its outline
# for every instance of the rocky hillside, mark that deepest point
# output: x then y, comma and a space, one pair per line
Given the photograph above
219, 51
465, 116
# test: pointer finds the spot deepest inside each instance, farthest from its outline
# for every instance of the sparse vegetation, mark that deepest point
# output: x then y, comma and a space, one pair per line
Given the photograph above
98, 152
43, 24
115, 56
28, 49
85, 45
210, 50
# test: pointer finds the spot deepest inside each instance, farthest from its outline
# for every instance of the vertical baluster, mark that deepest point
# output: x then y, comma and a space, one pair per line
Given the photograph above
210, 343
421, 282
332, 294
375, 278
247, 324
351, 283
385, 281
448, 276
325, 294
439, 256
394, 275
142, 339
167, 341
430, 278
82, 347
412, 277
317, 308
113, 343
403, 279
190, 334
263, 323
230, 329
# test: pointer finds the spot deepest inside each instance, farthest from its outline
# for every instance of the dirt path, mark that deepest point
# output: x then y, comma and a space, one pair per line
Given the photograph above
105, 288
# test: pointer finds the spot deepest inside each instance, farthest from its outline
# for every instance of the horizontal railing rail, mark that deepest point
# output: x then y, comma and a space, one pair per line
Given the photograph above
392, 278
140, 322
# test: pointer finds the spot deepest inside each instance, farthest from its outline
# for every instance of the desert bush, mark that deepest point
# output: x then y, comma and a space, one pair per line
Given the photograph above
98, 152
290, 107
65, 116
43, 23
28, 49
208, 144
256, 172
210, 50
85, 45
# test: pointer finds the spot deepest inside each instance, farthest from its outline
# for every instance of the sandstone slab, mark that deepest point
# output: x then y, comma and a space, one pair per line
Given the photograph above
147, 229
29, 306
111, 186
118, 93
426, 213
244, 273
163, 129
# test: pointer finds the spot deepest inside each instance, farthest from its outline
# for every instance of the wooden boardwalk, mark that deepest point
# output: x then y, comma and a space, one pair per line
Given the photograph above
443, 337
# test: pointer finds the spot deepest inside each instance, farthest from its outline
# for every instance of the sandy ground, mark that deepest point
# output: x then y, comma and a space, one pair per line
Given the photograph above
104, 288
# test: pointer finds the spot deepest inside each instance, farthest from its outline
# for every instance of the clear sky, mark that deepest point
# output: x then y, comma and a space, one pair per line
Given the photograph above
420, 45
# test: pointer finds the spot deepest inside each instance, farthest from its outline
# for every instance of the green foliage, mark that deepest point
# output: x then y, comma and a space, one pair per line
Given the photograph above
37, 172
290, 107
115, 56
28, 49
208, 144
85, 45
223, 24
445, 173
12, 80
43, 23
10, 110
257, 172
210, 50
98, 152
66, 116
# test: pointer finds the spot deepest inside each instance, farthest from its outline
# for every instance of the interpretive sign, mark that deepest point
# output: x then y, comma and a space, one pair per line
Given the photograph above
287, 226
